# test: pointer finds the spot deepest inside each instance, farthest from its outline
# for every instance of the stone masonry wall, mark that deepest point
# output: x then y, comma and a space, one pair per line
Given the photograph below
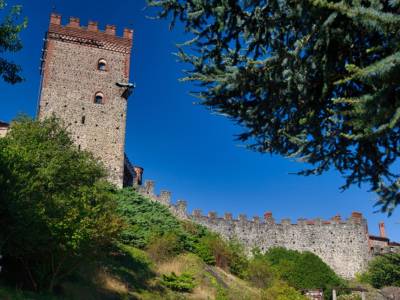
342, 244
70, 80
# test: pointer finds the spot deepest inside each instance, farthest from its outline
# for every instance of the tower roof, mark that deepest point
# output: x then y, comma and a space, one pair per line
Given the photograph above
91, 35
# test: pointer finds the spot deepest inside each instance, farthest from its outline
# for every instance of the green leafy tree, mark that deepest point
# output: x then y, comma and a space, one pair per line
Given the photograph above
303, 270
56, 210
383, 271
315, 80
10, 42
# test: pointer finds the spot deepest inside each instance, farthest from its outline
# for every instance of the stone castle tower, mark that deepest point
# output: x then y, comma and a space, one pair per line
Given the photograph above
85, 83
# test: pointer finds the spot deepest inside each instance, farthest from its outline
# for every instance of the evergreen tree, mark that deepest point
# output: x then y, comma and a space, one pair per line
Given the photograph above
10, 42
315, 80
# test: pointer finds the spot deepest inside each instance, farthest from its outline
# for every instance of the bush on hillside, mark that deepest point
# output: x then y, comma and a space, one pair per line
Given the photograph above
56, 210
383, 270
205, 253
181, 283
150, 225
303, 270
259, 271
194, 233
212, 249
280, 290
145, 219
164, 247
238, 260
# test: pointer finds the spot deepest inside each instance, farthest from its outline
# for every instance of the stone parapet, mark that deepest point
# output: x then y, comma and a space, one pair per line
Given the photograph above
342, 244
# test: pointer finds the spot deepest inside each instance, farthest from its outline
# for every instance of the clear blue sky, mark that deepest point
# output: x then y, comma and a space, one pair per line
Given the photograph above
181, 146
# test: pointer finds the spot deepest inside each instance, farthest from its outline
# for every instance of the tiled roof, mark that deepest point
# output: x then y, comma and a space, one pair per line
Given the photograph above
394, 244
4, 124
378, 238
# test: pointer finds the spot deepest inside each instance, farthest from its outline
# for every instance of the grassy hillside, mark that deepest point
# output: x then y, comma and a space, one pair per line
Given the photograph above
160, 257
153, 257
131, 275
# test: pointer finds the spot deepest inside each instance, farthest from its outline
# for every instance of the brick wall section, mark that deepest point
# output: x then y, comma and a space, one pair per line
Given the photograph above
342, 244
71, 80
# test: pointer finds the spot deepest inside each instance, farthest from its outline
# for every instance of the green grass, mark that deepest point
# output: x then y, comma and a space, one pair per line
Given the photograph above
127, 267
131, 265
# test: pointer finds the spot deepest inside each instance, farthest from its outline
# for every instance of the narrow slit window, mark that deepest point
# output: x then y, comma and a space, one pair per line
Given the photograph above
83, 120
102, 65
99, 98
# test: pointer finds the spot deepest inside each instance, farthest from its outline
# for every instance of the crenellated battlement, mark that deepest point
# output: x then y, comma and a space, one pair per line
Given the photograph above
341, 243
55, 19
148, 189
179, 209
355, 218
90, 35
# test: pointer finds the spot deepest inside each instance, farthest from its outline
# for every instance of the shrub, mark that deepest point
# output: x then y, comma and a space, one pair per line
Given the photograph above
194, 232
280, 290
383, 271
182, 283
145, 219
164, 247
204, 251
213, 250
238, 261
303, 270
151, 225
259, 271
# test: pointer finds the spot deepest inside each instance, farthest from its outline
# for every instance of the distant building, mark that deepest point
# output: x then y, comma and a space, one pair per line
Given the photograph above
85, 83
3, 128
381, 244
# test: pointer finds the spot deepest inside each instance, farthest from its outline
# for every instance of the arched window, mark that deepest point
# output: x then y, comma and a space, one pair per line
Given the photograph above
102, 65
99, 98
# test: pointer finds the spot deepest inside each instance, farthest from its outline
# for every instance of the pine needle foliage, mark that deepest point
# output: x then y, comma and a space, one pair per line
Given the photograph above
314, 80
146, 220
